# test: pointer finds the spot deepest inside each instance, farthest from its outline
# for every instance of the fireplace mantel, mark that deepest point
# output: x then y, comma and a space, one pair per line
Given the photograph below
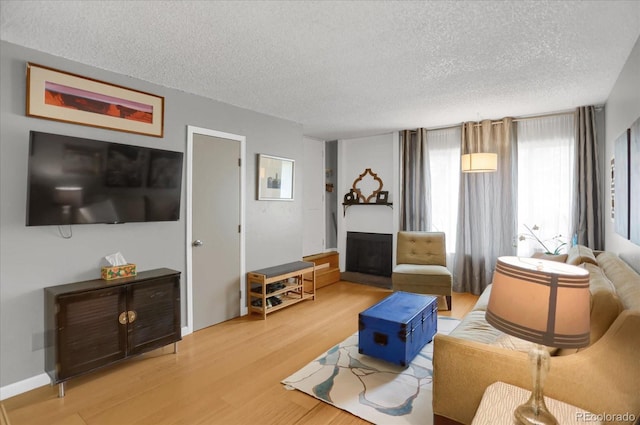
346, 205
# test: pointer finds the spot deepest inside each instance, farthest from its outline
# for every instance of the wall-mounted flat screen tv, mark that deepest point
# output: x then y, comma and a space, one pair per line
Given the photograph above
81, 181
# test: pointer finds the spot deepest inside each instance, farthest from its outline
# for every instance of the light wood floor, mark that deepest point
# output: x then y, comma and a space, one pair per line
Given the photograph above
229, 373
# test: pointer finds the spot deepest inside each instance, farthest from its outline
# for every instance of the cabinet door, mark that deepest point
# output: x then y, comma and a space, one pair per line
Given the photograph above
155, 305
89, 333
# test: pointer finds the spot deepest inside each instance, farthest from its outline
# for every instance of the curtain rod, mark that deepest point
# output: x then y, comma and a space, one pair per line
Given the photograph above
553, 114
498, 122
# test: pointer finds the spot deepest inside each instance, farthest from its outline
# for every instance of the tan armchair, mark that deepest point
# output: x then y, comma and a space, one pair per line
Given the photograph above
421, 266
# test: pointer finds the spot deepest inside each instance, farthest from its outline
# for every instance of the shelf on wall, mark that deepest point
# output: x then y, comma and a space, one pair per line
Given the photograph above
346, 205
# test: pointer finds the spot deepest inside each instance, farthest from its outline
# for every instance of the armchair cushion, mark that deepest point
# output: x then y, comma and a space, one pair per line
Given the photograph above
425, 269
420, 275
421, 248
421, 266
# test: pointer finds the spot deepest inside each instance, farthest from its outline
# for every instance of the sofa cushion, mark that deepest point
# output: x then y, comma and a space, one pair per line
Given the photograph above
579, 254
518, 344
605, 306
625, 280
474, 327
605, 303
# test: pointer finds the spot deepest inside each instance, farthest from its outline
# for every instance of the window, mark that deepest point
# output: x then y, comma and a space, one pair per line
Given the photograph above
545, 179
444, 163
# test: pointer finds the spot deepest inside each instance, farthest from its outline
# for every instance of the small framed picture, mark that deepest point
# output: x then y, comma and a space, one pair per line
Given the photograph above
351, 198
382, 197
275, 178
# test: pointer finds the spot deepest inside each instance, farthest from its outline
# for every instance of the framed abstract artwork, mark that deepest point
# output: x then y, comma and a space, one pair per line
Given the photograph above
62, 96
613, 189
275, 178
622, 216
634, 183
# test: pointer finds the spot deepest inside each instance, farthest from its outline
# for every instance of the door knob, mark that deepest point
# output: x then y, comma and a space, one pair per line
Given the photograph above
197, 242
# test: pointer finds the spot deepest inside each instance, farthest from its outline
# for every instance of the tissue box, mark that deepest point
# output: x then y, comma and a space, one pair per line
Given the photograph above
117, 272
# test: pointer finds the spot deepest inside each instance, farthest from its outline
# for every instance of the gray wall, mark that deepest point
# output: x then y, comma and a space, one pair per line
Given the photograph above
32, 258
621, 110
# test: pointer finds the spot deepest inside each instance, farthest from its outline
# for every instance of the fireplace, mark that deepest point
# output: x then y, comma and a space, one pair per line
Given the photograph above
369, 253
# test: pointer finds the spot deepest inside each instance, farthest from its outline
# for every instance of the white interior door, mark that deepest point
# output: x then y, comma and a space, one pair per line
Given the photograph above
313, 185
216, 240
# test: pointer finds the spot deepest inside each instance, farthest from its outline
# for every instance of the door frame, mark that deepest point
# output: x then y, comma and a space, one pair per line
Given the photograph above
191, 131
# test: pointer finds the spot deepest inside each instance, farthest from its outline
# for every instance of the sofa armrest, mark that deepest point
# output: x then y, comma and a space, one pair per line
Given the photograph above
462, 369
601, 378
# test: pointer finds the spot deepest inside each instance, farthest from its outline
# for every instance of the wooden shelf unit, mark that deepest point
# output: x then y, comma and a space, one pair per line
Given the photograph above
327, 267
297, 283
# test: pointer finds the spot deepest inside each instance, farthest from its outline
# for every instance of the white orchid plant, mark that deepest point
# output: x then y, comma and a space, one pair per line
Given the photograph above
552, 246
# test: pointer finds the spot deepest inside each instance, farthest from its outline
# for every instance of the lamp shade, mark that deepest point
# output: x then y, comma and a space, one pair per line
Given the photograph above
541, 301
479, 162
68, 195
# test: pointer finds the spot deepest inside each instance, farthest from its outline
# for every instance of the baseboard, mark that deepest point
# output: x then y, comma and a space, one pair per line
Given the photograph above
23, 386
32, 383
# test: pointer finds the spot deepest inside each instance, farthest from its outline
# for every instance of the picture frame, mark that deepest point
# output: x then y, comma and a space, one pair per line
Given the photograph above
622, 183
613, 189
351, 198
276, 176
634, 182
62, 96
382, 197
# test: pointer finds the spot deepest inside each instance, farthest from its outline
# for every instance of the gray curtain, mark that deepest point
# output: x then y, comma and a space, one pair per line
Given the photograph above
415, 186
587, 216
487, 207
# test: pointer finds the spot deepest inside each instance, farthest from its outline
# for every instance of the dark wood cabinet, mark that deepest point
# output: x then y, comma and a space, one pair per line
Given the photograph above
96, 323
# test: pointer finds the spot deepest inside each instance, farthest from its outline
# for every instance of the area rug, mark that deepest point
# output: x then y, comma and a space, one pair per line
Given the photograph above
372, 389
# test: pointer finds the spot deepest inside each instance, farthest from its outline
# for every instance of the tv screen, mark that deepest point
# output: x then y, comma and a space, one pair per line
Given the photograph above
81, 181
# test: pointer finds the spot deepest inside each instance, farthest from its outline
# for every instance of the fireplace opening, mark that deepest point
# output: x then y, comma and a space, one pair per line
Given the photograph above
369, 253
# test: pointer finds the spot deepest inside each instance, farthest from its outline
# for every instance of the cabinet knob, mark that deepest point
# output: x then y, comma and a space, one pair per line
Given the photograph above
132, 316
123, 318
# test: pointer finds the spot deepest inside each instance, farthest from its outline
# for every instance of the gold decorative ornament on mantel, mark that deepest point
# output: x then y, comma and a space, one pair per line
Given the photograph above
360, 184
365, 188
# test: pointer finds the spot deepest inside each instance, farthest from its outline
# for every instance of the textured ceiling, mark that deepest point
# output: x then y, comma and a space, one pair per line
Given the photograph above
349, 68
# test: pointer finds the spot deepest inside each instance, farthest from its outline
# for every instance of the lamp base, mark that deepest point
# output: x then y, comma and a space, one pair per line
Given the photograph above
535, 411
529, 414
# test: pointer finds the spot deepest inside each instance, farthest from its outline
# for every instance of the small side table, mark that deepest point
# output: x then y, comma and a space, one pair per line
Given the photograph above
501, 399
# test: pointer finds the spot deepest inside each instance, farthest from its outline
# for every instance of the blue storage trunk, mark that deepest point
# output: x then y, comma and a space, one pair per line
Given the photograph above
398, 327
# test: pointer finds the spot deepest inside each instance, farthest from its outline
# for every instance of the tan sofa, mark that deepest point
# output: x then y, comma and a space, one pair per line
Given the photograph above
603, 378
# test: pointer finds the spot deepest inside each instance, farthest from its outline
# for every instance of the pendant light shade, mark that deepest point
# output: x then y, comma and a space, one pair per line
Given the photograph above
479, 162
